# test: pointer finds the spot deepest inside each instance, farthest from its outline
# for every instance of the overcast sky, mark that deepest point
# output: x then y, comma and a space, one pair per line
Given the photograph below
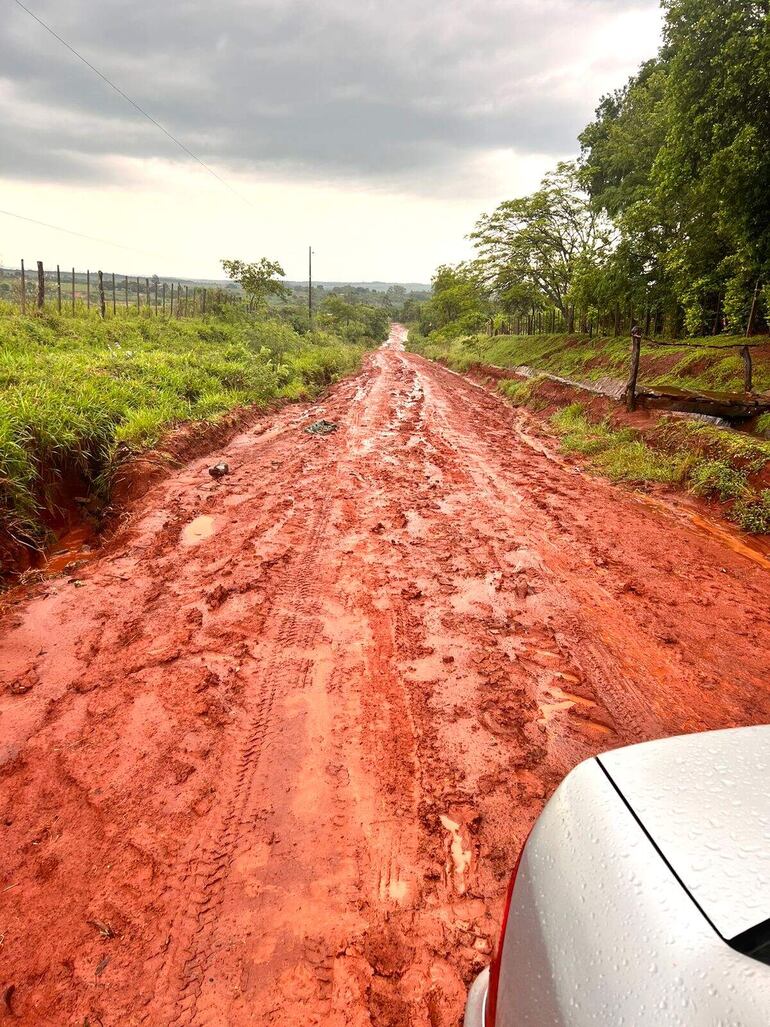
377, 130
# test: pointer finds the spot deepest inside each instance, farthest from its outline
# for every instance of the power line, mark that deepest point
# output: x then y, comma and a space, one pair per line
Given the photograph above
134, 104
70, 231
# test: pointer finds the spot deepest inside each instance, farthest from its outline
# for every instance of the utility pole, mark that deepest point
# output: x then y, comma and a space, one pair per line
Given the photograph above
310, 286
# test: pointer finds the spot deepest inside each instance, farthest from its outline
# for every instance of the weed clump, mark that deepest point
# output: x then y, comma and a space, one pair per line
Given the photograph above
753, 515
718, 478
621, 454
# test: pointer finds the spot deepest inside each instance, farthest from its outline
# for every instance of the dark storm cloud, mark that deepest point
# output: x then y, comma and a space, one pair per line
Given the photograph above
374, 90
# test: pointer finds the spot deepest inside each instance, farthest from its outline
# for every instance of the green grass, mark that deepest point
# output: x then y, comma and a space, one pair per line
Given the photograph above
78, 394
620, 454
707, 461
579, 357
523, 393
718, 478
753, 515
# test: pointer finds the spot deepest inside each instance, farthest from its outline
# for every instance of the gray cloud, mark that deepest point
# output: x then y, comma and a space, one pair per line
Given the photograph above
377, 91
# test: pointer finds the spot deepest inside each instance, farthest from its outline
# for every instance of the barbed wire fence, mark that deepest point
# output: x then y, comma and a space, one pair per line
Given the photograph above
27, 290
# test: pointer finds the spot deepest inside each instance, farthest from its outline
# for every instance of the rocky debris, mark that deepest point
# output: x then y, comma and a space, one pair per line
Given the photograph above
219, 470
321, 427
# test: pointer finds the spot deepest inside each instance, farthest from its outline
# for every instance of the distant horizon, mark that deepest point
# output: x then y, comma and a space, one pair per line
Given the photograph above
376, 284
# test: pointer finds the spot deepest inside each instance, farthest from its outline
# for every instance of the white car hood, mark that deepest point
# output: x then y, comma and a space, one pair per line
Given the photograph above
704, 800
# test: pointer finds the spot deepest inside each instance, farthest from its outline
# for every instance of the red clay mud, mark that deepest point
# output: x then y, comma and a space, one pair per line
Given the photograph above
268, 758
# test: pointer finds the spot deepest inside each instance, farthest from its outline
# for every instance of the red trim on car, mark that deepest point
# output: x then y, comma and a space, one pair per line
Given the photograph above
494, 970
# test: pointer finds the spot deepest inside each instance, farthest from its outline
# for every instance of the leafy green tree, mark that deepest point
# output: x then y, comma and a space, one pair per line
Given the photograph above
620, 146
679, 159
531, 247
259, 280
714, 166
337, 312
459, 304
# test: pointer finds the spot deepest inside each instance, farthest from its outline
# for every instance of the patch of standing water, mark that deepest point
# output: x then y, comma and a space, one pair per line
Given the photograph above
753, 548
751, 551
72, 547
194, 532
460, 856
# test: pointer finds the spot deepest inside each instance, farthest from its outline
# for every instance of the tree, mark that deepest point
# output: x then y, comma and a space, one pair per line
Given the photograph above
258, 280
714, 166
337, 311
531, 247
459, 304
679, 159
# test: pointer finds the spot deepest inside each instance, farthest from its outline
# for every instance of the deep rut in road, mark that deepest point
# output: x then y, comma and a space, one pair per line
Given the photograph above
269, 759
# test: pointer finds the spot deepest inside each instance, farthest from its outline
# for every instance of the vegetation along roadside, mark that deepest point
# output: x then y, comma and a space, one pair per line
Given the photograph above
80, 394
713, 462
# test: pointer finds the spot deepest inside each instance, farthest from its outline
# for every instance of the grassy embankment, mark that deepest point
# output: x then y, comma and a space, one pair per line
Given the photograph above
77, 394
708, 461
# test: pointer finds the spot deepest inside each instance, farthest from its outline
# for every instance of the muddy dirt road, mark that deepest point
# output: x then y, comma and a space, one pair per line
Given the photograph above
270, 759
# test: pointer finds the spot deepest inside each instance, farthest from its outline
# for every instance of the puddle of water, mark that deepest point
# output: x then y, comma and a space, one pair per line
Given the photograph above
571, 697
461, 857
751, 551
564, 676
202, 527
560, 701
74, 546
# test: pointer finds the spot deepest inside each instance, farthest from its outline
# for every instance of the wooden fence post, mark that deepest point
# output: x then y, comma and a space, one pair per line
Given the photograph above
58, 288
164, 299
23, 289
40, 285
636, 349
204, 301
171, 314
138, 295
73, 292
125, 282
102, 303
156, 297
747, 369
88, 290
147, 290
114, 297
186, 300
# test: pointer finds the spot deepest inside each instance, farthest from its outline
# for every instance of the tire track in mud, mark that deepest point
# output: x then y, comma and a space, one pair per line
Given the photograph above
292, 616
609, 667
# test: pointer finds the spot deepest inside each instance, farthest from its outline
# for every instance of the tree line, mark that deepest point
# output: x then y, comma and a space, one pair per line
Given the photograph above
662, 219
351, 313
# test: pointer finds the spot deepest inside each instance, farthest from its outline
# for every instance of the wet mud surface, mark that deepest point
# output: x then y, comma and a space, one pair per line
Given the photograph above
270, 756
